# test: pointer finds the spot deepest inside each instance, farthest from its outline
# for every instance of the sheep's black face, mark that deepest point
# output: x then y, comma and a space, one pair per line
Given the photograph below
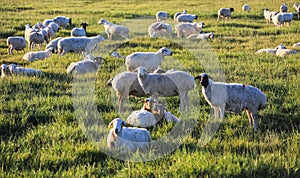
232, 9
203, 79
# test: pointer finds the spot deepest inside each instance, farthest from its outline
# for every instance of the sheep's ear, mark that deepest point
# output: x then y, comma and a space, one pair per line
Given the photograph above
124, 124
110, 125
197, 77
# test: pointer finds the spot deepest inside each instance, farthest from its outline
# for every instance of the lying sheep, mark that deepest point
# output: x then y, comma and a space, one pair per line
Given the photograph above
78, 44
201, 36
17, 43
283, 8
232, 97
269, 15
269, 50
62, 21
177, 14
53, 44
225, 12
17, 70
159, 29
297, 7
282, 52
186, 18
114, 29
168, 84
246, 7
161, 15
86, 66
37, 55
187, 29
127, 139
5, 71
149, 60
75, 32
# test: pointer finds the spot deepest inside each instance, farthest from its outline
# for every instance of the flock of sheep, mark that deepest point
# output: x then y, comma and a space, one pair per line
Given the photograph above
144, 76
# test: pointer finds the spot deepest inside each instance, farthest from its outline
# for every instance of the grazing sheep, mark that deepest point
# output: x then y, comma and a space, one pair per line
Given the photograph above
287, 18
75, 32
186, 18
225, 12
17, 43
246, 7
17, 70
90, 64
127, 139
169, 84
232, 97
296, 45
114, 29
53, 44
297, 7
149, 60
187, 29
177, 14
269, 15
283, 8
278, 20
201, 36
159, 29
269, 50
54, 26
37, 55
78, 44
62, 21
161, 15
5, 70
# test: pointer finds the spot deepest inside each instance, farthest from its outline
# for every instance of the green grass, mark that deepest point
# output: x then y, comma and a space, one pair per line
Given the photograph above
42, 136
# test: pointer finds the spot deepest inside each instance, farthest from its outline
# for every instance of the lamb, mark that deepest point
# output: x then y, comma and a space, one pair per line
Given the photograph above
159, 29
287, 18
62, 21
17, 70
269, 15
78, 44
5, 71
114, 29
149, 60
86, 66
17, 43
225, 12
283, 8
232, 97
186, 18
297, 7
75, 32
246, 7
177, 14
201, 36
269, 50
169, 84
278, 20
37, 55
161, 15
53, 44
127, 139
187, 29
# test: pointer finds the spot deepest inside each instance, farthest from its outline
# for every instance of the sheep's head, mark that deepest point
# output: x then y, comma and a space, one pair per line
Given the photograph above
231, 9
102, 21
117, 125
165, 51
5, 70
141, 71
203, 79
200, 25
281, 46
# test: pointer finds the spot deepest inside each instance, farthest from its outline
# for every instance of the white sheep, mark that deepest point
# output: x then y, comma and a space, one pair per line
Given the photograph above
186, 18
159, 29
54, 26
232, 97
282, 52
176, 83
177, 14
246, 7
62, 21
287, 18
269, 50
5, 70
37, 55
283, 8
201, 36
53, 44
17, 70
141, 118
269, 15
17, 43
114, 29
90, 64
127, 139
278, 20
75, 32
149, 60
186, 29
46, 22
78, 44
297, 7
225, 12
161, 15
296, 45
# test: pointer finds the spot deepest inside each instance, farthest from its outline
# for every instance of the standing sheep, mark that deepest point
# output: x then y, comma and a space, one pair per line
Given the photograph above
37, 55
187, 29
159, 29
177, 14
278, 20
62, 21
53, 44
287, 18
269, 15
246, 7
149, 60
75, 32
85, 66
17, 43
161, 15
114, 29
186, 18
225, 12
232, 97
297, 7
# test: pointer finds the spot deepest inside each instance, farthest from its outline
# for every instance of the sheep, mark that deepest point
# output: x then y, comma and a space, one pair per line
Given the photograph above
75, 32
127, 139
17, 43
269, 50
186, 29
269, 15
37, 55
225, 12
53, 44
282, 52
169, 84
246, 7
232, 97
114, 29
46, 22
177, 14
297, 7
86, 66
141, 118
202, 36
296, 45
5, 71
159, 29
62, 21
78, 44
278, 20
283, 8
161, 15
17, 70
287, 18
54, 26
35, 38
149, 60
186, 18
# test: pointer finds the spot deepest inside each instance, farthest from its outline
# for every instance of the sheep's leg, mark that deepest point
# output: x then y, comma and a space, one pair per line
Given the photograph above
249, 117
120, 103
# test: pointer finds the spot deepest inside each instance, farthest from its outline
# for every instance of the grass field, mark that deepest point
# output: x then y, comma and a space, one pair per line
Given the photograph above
44, 134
